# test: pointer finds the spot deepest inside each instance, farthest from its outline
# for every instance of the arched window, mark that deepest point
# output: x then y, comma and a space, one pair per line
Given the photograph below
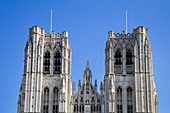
119, 100
55, 100
129, 57
129, 100
46, 100
92, 108
47, 62
75, 108
57, 63
98, 108
82, 108
118, 57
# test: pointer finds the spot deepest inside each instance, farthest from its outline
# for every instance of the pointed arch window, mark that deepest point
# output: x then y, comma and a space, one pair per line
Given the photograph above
119, 100
75, 108
129, 57
47, 62
82, 108
118, 57
55, 100
98, 108
46, 100
93, 108
57, 63
81, 100
129, 100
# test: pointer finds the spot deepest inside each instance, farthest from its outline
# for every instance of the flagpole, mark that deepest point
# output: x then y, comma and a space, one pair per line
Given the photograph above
51, 22
126, 21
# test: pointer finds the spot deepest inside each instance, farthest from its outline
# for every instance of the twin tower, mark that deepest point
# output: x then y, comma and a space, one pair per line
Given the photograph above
128, 85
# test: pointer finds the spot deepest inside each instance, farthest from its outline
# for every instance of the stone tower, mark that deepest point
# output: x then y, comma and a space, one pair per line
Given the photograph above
46, 85
129, 85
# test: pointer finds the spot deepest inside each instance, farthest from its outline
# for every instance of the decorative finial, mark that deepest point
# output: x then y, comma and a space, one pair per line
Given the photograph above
95, 83
79, 83
51, 22
101, 86
88, 65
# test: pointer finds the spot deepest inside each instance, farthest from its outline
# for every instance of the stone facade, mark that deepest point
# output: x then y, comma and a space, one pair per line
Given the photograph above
87, 99
128, 85
46, 84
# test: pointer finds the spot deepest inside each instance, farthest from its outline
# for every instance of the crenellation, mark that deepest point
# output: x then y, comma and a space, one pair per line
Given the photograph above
123, 35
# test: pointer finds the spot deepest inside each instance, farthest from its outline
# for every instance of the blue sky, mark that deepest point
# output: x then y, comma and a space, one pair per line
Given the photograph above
87, 22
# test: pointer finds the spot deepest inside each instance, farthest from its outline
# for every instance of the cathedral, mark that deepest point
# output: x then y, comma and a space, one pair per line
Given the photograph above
128, 85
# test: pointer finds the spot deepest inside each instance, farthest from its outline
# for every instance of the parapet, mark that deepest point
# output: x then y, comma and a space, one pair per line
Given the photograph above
52, 35
64, 34
40, 31
111, 34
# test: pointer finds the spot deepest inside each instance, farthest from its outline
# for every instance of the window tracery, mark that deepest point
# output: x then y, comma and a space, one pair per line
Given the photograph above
55, 100
47, 62
118, 57
46, 100
92, 108
57, 63
129, 57
119, 100
129, 100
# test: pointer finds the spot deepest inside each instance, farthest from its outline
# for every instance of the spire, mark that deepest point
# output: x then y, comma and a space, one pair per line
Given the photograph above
79, 85
51, 21
87, 65
95, 84
87, 74
101, 86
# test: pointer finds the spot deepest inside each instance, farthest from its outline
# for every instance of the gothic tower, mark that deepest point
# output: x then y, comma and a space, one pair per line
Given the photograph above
46, 85
129, 85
